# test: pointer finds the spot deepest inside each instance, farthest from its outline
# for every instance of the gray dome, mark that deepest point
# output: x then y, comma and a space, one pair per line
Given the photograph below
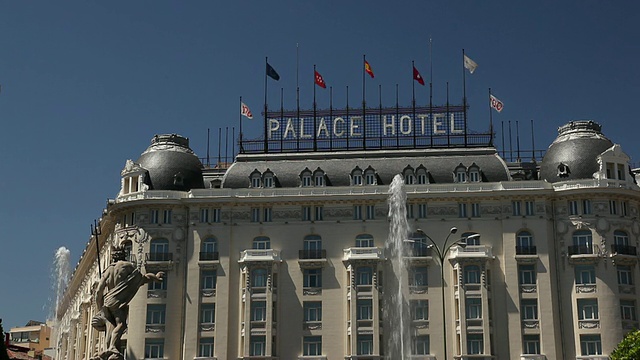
171, 164
573, 154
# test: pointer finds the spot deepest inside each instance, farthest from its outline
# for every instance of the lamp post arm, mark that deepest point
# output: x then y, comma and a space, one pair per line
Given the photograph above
436, 248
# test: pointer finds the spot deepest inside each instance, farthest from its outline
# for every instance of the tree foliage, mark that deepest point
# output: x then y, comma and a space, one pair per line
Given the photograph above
3, 347
628, 348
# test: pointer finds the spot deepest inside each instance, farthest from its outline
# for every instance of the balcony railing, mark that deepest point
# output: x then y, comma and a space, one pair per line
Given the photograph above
580, 250
312, 254
623, 250
472, 251
363, 253
526, 250
419, 251
209, 255
259, 255
159, 256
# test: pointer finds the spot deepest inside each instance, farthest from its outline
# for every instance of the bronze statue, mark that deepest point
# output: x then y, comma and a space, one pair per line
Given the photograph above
121, 281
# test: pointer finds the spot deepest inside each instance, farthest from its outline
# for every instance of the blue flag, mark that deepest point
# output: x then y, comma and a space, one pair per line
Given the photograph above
272, 73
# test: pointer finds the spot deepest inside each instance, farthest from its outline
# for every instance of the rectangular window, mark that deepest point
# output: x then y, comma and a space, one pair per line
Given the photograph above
421, 345
590, 345
267, 212
215, 215
527, 274
462, 210
624, 208
364, 275
588, 309
422, 211
420, 309
312, 278
530, 208
625, 275
312, 311
585, 275
418, 276
365, 309
586, 207
154, 348
410, 211
516, 207
319, 178
208, 314
156, 314
529, 309
531, 344
475, 210
357, 212
257, 346
365, 344
471, 274
258, 311
319, 213
371, 212
306, 213
166, 216
628, 310
208, 279
573, 207
158, 285
357, 179
312, 346
613, 207
475, 344
474, 308
620, 169
153, 217
255, 214
205, 347
204, 215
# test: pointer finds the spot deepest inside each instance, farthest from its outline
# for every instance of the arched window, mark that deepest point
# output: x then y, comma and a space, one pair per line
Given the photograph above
259, 277
422, 175
209, 249
313, 247
159, 250
409, 176
370, 176
474, 173
418, 243
268, 180
471, 238
460, 174
256, 179
262, 242
472, 274
582, 243
128, 246
356, 176
620, 238
305, 178
364, 240
524, 243
318, 178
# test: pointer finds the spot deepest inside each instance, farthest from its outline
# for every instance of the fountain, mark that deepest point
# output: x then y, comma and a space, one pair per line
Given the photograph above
59, 279
397, 313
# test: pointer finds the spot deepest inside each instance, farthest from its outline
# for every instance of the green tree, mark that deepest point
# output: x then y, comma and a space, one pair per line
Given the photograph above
3, 347
628, 348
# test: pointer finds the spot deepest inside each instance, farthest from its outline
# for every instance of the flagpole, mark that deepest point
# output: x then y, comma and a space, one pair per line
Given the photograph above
266, 144
413, 103
397, 119
533, 143
297, 93
518, 140
364, 111
449, 131
208, 132
347, 117
331, 117
239, 135
510, 143
464, 98
431, 88
490, 120
315, 126
219, 145
233, 143
281, 117
502, 134
380, 109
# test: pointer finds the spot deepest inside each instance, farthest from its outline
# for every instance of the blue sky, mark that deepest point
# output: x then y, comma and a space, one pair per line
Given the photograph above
86, 84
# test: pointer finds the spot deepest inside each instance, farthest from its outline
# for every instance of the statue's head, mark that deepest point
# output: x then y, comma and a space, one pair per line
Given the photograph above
118, 253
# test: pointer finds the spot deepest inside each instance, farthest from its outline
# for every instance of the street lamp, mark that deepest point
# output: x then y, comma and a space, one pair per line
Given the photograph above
442, 252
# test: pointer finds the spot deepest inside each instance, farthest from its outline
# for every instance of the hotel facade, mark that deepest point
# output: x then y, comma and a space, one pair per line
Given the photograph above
282, 254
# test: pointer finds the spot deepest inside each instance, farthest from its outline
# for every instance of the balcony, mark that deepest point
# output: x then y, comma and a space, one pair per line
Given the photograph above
209, 259
159, 256
580, 250
418, 254
582, 254
532, 357
363, 253
526, 250
257, 255
472, 252
159, 261
624, 254
309, 259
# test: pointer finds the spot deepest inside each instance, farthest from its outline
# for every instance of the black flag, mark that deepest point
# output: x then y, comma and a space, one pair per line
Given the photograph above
272, 73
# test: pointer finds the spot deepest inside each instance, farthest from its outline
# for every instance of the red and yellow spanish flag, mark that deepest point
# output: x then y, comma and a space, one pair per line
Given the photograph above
367, 68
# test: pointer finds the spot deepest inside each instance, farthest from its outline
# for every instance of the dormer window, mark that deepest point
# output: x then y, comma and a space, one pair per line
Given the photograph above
318, 178
256, 179
132, 178
268, 179
421, 175
461, 174
474, 173
370, 176
178, 179
305, 178
356, 177
409, 176
563, 170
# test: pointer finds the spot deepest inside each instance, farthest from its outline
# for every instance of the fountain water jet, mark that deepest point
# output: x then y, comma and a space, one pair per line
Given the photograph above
59, 279
397, 312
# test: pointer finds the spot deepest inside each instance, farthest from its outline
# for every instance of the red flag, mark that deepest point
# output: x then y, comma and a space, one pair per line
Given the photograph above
320, 81
495, 103
417, 77
367, 68
244, 110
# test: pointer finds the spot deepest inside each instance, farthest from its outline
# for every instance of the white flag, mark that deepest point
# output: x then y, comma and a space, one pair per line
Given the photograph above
495, 103
470, 64
244, 110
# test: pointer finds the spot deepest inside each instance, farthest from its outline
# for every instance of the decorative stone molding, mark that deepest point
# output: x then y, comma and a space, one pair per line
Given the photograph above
585, 289
588, 324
